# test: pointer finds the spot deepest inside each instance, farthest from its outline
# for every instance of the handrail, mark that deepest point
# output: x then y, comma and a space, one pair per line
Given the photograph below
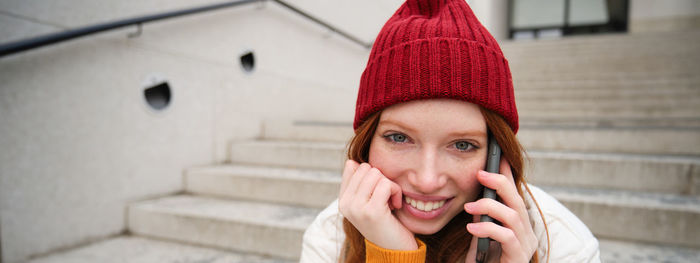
346, 35
36, 42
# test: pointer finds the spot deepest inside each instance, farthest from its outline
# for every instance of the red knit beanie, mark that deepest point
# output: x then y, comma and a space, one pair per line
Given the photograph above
436, 49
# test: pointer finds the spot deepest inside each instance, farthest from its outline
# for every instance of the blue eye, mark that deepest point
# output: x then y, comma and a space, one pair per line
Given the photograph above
397, 137
463, 146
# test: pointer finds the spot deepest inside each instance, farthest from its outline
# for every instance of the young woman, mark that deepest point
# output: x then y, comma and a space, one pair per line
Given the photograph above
435, 86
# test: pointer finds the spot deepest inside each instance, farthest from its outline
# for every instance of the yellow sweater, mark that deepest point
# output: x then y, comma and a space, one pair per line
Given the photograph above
376, 254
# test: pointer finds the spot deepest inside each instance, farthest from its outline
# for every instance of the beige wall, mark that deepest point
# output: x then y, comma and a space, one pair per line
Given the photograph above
78, 141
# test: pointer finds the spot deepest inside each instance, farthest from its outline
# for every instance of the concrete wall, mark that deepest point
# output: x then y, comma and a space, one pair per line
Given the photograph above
78, 140
669, 15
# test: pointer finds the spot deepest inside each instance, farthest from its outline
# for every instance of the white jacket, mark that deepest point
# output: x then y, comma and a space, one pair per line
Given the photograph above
570, 239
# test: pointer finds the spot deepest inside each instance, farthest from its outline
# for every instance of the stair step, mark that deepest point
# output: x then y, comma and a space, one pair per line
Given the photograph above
667, 43
681, 172
608, 213
613, 77
612, 45
291, 154
263, 228
543, 92
645, 173
134, 249
659, 103
647, 136
600, 53
311, 188
607, 105
598, 72
342, 131
591, 113
638, 140
634, 252
634, 216
316, 188
609, 122
633, 63
144, 250
594, 55
591, 74
569, 90
684, 108
309, 131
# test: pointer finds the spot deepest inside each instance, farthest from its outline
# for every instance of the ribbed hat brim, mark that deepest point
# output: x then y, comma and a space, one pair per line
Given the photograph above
437, 68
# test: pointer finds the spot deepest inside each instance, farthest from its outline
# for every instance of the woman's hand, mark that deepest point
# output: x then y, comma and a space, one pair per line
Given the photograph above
516, 237
366, 199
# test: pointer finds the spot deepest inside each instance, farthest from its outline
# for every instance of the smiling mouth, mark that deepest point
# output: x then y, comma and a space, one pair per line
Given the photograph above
425, 206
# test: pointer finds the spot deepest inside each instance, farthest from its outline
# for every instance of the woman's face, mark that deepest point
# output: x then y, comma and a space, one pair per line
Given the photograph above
433, 150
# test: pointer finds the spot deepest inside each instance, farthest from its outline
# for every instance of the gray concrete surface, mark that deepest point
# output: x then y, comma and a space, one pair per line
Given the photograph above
263, 228
133, 249
311, 188
635, 216
630, 252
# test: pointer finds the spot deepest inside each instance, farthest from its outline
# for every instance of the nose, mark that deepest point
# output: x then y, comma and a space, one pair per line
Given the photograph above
428, 176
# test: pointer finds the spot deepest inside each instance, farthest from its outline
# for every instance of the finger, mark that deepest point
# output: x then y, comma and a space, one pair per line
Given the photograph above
384, 191
471, 253
499, 211
510, 244
508, 173
356, 178
505, 189
505, 170
348, 171
366, 188
396, 195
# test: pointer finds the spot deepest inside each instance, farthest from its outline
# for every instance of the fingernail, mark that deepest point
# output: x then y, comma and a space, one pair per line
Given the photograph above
469, 206
472, 226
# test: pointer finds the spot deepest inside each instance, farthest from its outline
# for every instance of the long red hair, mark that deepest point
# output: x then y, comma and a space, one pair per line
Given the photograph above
451, 243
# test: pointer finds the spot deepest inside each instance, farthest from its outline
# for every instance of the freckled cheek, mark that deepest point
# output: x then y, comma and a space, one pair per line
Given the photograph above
389, 163
466, 178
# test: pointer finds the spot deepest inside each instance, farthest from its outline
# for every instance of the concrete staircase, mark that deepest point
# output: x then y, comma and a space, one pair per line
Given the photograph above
611, 125
631, 80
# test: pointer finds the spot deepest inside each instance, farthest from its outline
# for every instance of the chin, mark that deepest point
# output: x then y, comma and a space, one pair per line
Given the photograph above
424, 230
422, 227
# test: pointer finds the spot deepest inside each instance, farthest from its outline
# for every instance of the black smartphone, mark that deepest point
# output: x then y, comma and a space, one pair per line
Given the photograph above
493, 162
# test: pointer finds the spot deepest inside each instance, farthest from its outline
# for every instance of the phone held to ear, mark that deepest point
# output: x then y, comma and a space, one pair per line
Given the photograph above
493, 162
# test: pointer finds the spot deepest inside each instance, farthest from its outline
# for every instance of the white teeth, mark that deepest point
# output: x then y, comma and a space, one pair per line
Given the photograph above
424, 206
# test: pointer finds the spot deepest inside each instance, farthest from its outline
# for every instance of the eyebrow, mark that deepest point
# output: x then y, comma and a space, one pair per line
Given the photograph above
467, 133
396, 123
